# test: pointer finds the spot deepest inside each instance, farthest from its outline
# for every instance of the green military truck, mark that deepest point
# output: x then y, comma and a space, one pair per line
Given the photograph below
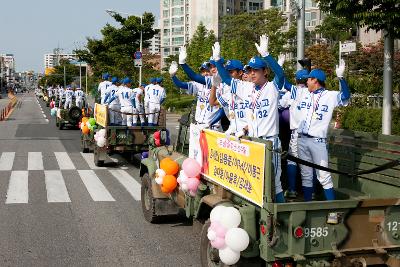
360, 228
120, 139
68, 117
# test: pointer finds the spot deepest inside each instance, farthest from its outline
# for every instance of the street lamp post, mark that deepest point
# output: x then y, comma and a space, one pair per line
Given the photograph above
111, 13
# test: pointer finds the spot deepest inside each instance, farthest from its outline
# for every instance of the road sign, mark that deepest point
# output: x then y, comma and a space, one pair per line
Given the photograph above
348, 47
137, 55
138, 63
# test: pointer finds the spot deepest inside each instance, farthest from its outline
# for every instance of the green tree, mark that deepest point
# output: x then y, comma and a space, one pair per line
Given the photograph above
199, 47
240, 32
57, 76
336, 29
114, 52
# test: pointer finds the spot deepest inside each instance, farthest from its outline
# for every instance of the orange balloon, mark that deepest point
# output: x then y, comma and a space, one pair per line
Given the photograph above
169, 166
169, 184
85, 130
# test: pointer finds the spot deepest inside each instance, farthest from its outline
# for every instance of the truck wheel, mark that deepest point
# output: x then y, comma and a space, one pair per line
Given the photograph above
75, 113
97, 161
209, 255
148, 202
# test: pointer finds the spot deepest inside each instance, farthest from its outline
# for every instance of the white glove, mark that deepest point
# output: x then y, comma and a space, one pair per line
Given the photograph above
173, 69
216, 80
281, 59
239, 134
340, 69
182, 55
263, 47
228, 133
216, 48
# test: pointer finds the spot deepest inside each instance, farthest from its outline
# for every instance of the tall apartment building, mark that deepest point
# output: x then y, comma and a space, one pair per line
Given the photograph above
52, 60
313, 15
7, 68
155, 43
179, 19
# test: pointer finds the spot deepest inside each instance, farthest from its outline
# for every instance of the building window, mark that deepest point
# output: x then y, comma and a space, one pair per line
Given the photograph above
177, 11
165, 13
165, 3
276, 3
177, 21
311, 19
178, 40
310, 3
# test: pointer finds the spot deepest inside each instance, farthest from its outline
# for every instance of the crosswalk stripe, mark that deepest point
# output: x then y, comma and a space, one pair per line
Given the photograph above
18, 187
130, 184
7, 161
55, 187
35, 161
94, 186
89, 158
64, 161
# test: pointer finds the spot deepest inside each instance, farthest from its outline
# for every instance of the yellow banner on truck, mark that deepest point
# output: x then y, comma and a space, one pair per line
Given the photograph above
237, 166
100, 114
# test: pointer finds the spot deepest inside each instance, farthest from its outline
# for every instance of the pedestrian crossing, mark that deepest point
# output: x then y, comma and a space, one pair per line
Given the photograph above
52, 170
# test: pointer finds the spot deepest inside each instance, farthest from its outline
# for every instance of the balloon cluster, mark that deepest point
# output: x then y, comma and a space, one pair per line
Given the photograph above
189, 176
53, 112
165, 176
87, 125
225, 235
100, 138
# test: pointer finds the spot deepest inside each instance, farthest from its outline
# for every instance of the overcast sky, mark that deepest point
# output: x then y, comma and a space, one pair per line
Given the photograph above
31, 28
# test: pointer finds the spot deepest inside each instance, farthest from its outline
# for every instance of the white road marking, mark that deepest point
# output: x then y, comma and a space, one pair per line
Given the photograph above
64, 161
35, 161
89, 158
55, 186
130, 184
94, 186
18, 188
7, 161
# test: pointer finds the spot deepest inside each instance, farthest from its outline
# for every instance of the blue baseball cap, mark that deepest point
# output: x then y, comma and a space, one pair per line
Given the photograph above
302, 74
213, 62
114, 80
257, 63
126, 80
143, 84
317, 74
159, 80
153, 80
205, 65
234, 64
106, 76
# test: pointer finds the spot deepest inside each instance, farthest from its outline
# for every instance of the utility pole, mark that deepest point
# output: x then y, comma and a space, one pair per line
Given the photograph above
65, 79
141, 44
300, 30
387, 84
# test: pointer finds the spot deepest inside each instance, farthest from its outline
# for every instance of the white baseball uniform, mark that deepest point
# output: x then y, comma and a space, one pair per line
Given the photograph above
317, 108
124, 95
137, 95
155, 95
50, 92
69, 94
79, 97
114, 105
235, 108
102, 89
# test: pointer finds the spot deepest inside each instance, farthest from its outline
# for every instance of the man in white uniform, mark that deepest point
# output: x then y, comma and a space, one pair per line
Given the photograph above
124, 94
114, 105
156, 96
79, 97
69, 94
103, 87
137, 95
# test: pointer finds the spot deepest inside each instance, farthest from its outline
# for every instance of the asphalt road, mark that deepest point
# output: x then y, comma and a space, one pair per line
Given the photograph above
57, 209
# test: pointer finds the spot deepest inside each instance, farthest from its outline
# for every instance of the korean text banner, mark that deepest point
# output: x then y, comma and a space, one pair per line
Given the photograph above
100, 114
238, 167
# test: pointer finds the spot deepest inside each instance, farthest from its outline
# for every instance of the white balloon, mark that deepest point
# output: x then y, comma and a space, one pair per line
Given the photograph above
230, 218
184, 187
229, 256
160, 173
216, 212
88, 124
159, 180
101, 142
237, 239
211, 235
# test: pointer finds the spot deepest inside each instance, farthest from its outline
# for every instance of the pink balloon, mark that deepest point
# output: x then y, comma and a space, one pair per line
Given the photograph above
191, 167
192, 184
212, 226
219, 230
192, 193
157, 135
157, 142
218, 243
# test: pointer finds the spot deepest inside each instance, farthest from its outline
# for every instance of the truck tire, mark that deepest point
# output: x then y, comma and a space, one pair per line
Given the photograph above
209, 255
148, 202
75, 113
